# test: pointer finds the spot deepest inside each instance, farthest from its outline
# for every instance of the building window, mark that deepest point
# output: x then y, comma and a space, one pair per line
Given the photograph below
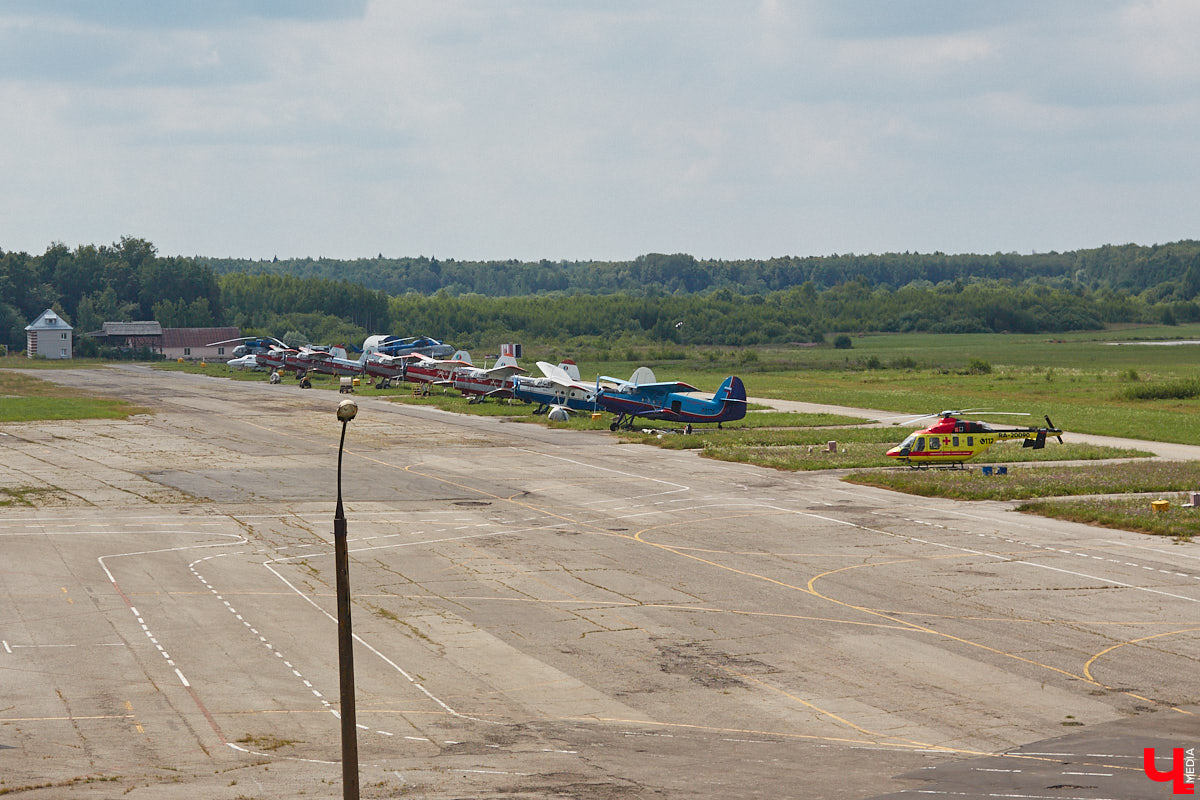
64, 336
63, 352
220, 351
187, 351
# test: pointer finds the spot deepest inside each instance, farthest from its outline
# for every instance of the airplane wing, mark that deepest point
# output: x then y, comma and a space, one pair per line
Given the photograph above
503, 372
664, 387
554, 372
500, 393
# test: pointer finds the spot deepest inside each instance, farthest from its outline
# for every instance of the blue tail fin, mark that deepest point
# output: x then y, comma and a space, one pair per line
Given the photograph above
732, 396
731, 389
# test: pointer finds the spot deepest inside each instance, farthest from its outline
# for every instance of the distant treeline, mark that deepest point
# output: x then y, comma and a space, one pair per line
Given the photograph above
1129, 267
653, 299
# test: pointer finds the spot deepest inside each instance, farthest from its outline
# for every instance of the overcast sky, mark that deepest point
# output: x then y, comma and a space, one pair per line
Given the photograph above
531, 129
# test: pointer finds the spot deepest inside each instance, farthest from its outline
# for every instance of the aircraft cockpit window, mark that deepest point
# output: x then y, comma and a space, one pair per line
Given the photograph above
920, 445
934, 443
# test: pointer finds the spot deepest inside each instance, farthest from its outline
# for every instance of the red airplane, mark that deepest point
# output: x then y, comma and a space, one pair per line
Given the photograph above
479, 383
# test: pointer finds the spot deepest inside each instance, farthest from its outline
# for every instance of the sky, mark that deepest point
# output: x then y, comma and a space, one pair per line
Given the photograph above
551, 129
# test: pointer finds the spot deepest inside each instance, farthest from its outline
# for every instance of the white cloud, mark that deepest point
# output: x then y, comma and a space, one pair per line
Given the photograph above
537, 129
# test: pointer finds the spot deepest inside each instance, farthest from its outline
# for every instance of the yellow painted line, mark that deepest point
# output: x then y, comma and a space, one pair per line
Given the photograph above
136, 724
934, 632
1087, 668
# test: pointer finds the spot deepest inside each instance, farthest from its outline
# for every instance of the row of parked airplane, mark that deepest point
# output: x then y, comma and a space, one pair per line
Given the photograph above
559, 391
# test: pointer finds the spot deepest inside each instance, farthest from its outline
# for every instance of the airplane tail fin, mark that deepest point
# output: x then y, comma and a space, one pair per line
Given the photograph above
505, 361
642, 375
462, 355
731, 389
571, 368
733, 394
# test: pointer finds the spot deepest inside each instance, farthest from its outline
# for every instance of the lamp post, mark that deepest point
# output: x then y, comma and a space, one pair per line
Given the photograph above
345, 412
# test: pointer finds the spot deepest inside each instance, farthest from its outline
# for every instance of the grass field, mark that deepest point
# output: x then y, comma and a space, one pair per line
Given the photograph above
24, 398
1124, 513
862, 456
1045, 481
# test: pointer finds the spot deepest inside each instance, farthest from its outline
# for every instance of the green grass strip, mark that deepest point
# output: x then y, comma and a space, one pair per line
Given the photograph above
1050, 481
1124, 513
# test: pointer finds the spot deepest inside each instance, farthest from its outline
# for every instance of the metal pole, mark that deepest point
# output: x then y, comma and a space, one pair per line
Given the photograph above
345, 642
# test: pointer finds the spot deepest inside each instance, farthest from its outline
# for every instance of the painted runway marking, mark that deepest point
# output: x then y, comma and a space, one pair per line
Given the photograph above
328, 706
407, 676
1050, 549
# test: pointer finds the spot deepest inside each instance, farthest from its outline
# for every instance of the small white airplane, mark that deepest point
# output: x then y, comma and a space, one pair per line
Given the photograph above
245, 362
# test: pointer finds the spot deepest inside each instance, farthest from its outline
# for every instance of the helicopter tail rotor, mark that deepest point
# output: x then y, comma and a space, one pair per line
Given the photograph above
1052, 429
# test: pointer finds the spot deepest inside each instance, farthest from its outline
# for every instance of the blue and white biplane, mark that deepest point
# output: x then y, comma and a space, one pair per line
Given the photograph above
671, 401
407, 345
557, 388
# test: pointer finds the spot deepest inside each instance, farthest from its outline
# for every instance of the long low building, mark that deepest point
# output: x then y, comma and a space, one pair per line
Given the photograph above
194, 344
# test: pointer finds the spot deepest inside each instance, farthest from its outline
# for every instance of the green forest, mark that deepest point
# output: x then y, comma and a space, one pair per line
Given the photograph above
654, 299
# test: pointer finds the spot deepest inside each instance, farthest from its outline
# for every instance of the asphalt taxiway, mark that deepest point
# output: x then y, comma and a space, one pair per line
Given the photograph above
551, 613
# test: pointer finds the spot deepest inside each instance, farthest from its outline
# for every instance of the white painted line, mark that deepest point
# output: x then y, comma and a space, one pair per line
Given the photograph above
491, 772
7, 649
180, 674
1093, 774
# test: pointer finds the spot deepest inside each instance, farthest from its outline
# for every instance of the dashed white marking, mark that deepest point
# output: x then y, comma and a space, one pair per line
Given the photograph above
315, 692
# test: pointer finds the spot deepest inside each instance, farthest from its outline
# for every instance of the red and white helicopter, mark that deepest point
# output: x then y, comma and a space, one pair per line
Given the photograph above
951, 440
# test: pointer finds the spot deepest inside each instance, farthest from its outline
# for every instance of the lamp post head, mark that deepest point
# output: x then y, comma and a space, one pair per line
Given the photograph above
346, 410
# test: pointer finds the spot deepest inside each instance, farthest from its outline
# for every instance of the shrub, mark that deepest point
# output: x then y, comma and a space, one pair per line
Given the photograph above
1173, 390
978, 366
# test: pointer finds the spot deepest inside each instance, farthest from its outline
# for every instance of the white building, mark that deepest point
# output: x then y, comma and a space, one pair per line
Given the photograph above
48, 336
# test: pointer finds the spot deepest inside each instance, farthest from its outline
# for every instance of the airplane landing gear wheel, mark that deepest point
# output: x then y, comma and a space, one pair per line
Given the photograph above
613, 427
